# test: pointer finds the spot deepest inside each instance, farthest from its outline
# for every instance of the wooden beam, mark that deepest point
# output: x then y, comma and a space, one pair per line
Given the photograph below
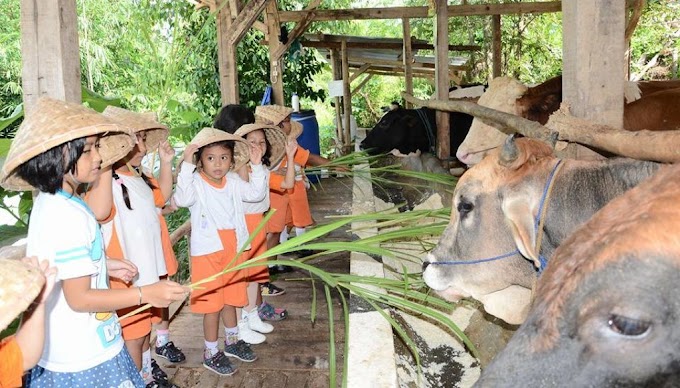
336, 69
275, 64
441, 74
258, 25
385, 45
226, 57
407, 56
359, 72
414, 65
327, 15
496, 45
245, 20
298, 30
346, 99
361, 84
50, 52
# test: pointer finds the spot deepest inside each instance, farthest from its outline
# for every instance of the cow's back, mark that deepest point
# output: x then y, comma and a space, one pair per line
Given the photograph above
654, 112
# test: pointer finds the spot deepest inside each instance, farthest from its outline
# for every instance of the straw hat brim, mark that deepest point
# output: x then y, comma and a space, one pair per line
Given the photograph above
212, 135
156, 132
296, 129
20, 284
272, 114
275, 136
53, 123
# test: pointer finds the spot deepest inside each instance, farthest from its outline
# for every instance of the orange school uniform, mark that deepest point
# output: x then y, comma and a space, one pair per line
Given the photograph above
292, 206
11, 363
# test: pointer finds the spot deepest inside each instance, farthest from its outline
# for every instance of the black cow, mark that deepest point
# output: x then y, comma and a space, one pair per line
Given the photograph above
409, 130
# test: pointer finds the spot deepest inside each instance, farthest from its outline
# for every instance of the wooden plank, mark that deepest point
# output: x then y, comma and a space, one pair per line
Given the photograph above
275, 65
361, 84
298, 30
245, 19
346, 99
359, 72
226, 56
50, 51
441, 75
334, 41
407, 57
336, 68
400, 64
594, 68
496, 45
422, 12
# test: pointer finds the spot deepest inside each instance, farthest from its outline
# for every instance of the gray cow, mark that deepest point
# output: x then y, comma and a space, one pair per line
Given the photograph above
510, 212
607, 310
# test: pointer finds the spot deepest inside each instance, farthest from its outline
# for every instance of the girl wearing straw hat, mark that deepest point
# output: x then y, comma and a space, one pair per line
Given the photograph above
229, 119
24, 286
134, 230
214, 195
274, 145
56, 149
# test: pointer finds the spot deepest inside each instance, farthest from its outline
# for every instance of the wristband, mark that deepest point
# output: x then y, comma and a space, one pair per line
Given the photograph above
140, 295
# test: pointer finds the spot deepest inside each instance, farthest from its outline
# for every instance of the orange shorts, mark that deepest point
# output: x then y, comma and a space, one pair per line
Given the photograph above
138, 325
168, 251
227, 289
258, 246
291, 207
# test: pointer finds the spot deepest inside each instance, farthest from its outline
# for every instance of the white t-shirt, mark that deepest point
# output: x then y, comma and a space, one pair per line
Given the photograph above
217, 208
258, 207
138, 230
64, 231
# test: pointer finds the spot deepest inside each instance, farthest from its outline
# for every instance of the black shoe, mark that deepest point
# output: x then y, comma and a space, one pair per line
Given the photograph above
305, 253
279, 269
170, 352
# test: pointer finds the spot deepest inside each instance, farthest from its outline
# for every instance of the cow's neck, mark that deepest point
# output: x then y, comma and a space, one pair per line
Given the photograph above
582, 188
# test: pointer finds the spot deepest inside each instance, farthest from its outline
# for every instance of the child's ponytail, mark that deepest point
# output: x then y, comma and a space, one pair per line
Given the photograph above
126, 195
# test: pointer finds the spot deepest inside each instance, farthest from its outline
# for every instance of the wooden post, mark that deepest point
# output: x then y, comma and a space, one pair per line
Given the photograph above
346, 98
441, 59
593, 59
275, 65
408, 58
226, 56
336, 68
50, 52
496, 44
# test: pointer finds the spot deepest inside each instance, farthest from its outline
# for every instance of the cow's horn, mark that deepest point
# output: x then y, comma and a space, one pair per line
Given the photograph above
509, 153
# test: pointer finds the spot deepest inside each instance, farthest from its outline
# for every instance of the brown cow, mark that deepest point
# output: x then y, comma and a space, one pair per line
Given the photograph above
494, 214
656, 110
607, 311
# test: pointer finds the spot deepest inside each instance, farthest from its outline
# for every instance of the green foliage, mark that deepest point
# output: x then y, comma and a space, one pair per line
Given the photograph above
655, 47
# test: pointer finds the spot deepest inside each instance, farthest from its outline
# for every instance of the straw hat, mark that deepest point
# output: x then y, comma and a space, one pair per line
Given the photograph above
275, 136
20, 284
53, 123
147, 121
274, 115
212, 135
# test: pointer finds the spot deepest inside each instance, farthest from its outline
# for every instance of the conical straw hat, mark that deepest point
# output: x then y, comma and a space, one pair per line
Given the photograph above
275, 136
147, 121
274, 115
212, 135
53, 123
20, 284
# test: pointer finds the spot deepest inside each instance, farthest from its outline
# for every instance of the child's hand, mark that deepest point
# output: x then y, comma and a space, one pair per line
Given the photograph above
291, 147
50, 274
166, 152
163, 293
255, 155
123, 269
189, 153
169, 208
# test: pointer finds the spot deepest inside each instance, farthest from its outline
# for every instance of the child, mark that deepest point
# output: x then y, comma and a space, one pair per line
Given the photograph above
134, 231
292, 203
272, 142
56, 149
230, 118
24, 286
215, 198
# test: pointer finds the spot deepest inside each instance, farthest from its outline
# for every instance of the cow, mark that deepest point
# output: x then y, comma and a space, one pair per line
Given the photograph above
408, 130
607, 310
656, 110
509, 214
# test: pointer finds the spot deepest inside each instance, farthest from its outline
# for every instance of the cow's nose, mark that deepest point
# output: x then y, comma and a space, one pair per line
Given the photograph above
425, 264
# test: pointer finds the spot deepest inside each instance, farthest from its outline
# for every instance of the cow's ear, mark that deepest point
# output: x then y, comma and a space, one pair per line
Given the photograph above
520, 218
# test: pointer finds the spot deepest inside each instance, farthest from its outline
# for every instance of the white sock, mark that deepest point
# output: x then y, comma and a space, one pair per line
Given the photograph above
212, 346
146, 366
284, 235
300, 231
231, 335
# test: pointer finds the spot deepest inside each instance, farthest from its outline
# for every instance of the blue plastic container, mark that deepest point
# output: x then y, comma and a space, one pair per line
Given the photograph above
310, 135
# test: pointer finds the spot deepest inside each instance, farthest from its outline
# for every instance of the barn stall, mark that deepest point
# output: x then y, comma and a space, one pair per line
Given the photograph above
51, 68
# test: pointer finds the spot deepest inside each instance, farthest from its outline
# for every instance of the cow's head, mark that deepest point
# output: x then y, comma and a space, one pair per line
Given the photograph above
493, 211
607, 309
502, 95
398, 129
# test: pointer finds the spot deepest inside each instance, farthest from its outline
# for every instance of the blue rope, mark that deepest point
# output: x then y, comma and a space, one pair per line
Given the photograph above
537, 220
428, 128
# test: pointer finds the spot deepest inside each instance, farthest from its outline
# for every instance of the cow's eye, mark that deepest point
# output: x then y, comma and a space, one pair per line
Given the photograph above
628, 326
465, 207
